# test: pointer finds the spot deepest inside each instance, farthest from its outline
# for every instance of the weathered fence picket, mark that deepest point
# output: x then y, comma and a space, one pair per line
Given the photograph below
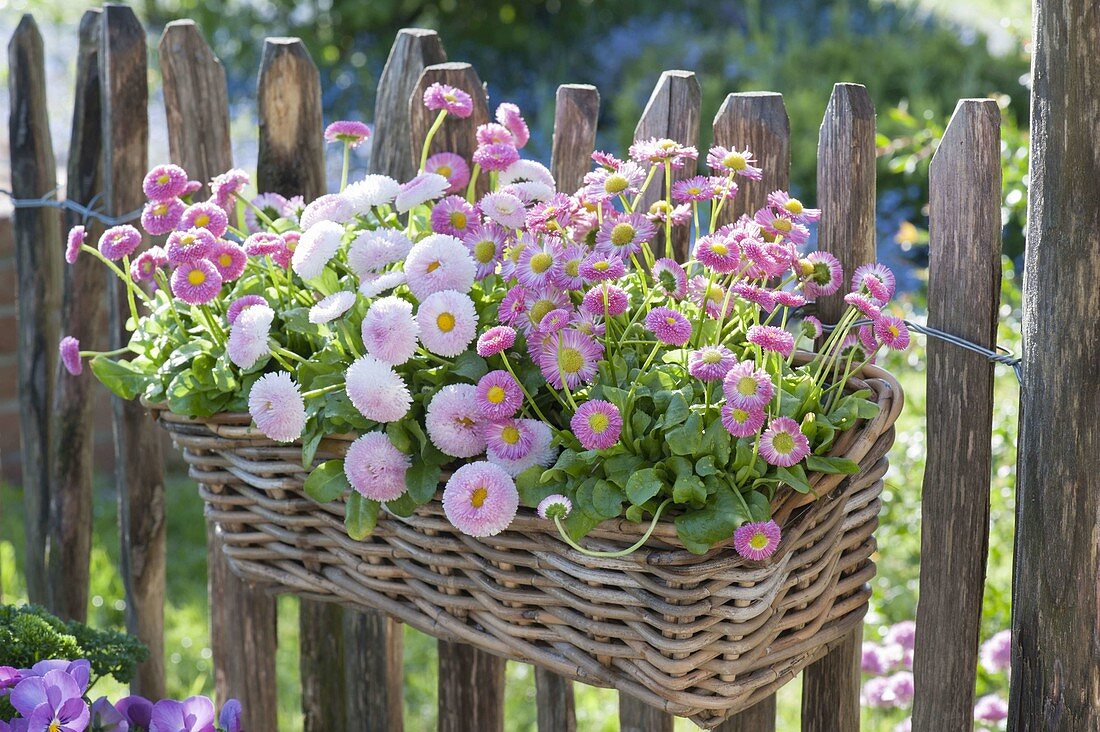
39, 265
756, 121
83, 308
139, 464
576, 112
964, 294
457, 134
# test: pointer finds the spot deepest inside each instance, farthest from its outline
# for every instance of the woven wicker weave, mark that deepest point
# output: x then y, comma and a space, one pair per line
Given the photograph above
700, 636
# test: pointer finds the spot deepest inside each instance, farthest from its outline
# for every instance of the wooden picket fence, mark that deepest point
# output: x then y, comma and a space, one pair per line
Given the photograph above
351, 662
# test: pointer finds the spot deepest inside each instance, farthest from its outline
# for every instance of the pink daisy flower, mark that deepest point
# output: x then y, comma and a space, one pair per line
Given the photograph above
617, 300
485, 243
492, 133
317, 246
447, 321
189, 246
372, 250
443, 96
724, 187
348, 131
542, 451
747, 386
77, 236
164, 182
991, 709
224, 187
867, 338
277, 407
531, 178
197, 282
263, 244
821, 274
865, 305
513, 306
662, 150
709, 296
856, 349
996, 653
733, 161
504, 208
375, 468
811, 327
554, 321
742, 422
659, 212
480, 499
780, 225
793, 207
555, 506
783, 443
496, 340
606, 160
421, 189
498, 395
248, 334
453, 216
375, 389
605, 184
893, 332
757, 541
671, 277
230, 260
539, 303
146, 264
451, 166
602, 267
552, 216
161, 217
538, 263
69, 351
710, 363
625, 234
568, 276
789, 299
389, 330
119, 241
495, 157
597, 424
271, 204
204, 215
509, 115
240, 304
696, 188
670, 326
439, 262
773, 339
875, 280
718, 253
759, 296
511, 439
453, 422
570, 357
332, 307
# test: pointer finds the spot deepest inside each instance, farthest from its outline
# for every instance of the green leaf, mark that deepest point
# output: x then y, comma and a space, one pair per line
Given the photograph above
685, 439
619, 468
403, 506
121, 377
706, 466
327, 482
819, 464
607, 499
716, 442
689, 489
309, 448
531, 488
470, 366
677, 411
759, 507
795, 477
702, 528
422, 480
400, 437
360, 516
643, 485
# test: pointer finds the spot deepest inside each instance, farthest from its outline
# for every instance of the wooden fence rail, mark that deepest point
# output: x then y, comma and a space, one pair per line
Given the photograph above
351, 662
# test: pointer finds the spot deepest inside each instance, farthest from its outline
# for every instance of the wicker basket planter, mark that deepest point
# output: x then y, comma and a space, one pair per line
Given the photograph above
700, 636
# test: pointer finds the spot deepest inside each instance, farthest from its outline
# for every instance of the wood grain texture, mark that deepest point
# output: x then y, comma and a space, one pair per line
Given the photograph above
291, 155
456, 135
757, 121
1056, 601
374, 667
637, 716
242, 636
964, 288
196, 103
392, 150
139, 464
830, 688
672, 112
556, 710
195, 99
846, 187
760, 717
576, 114
471, 689
83, 316
38, 266
321, 665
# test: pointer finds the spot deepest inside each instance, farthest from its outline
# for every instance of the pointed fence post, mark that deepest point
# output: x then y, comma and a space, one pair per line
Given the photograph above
1055, 603
38, 262
242, 617
846, 195
757, 121
964, 292
456, 135
83, 316
575, 116
139, 464
392, 151
672, 112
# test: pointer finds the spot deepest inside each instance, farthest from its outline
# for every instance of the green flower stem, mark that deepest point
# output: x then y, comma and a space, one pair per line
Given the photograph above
839, 385
643, 278
432, 357
240, 234
135, 290
276, 348
264, 218
526, 394
473, 183
282, 361
211, 324
428, 138
832, 343
628, 404
347, 163
703, 309
349, 338
162, 282
323, 390
668, 218
622, 552
568, 394
716, 208
108, 354
130, 293
695, 218
645, 185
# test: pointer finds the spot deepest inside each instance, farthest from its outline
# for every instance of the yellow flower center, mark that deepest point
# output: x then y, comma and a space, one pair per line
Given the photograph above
444, 170
759, 540
622, 234
598, 422
780, 224
746, 386
572, 268
616, 184
450, 97
794, 206
484, 251
55, 726
510, 435
458, 219
805, 267
670, 320
711, 357
735, 161
719, 248
541, 262
694, 191
570, 360
160, 209
783, 443
196, 277
740, 415
667, 144
224, 259
163, 178
894, 330
495, 395
445, 322
433, 266
202, 220
465, 422
477, 498
539, 310
602, 266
